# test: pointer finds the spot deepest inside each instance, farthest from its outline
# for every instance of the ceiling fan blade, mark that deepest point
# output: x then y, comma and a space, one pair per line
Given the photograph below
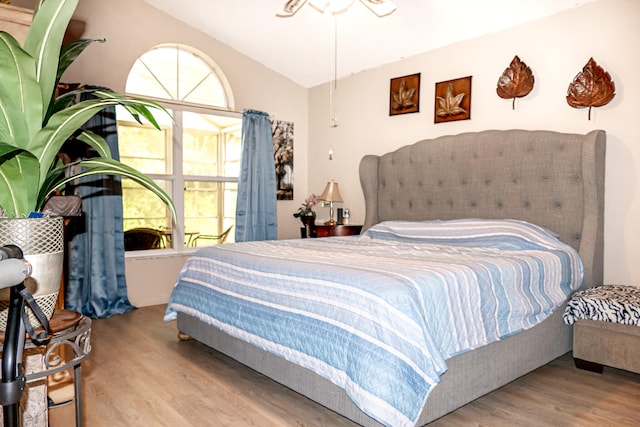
380, 7
290, 8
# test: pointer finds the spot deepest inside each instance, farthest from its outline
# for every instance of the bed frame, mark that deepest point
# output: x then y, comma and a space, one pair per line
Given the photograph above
551, 179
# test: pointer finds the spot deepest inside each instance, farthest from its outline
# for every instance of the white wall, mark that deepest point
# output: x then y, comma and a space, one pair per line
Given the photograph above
556, 48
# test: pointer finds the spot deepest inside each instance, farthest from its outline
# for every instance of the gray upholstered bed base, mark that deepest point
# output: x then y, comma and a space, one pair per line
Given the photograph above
470, 375
551, 179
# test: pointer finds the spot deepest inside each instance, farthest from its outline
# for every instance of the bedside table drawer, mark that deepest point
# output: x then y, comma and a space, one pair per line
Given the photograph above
333, 230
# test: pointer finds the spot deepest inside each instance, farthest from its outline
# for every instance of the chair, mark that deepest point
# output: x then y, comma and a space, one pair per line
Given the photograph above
142, 238
220, 237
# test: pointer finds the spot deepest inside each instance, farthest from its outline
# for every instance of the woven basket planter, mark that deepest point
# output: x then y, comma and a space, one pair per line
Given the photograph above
42, 242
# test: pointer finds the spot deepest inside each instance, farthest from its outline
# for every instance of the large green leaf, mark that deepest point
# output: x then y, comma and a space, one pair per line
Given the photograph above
6, 150
44, 41
96, 142
135, 106
102, 166
20, 96
64, 123
13, 128
70, 52
59, 104
60, 127
18, 184
64, 101
12, 201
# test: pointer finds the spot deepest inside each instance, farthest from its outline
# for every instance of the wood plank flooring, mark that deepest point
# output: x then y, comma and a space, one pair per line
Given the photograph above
140, 374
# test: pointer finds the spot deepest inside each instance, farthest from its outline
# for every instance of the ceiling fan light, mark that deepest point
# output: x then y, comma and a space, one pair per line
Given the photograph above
339, 6
290, 8
319, 5
380, 7
335, 7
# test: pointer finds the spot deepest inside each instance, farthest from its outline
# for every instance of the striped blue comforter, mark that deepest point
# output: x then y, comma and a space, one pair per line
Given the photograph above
378, 314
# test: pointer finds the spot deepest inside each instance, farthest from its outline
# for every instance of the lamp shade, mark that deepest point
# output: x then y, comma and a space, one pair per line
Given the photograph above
331, 193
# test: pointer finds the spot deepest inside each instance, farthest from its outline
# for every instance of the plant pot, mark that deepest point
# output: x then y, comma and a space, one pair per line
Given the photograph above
308, 221
42, 242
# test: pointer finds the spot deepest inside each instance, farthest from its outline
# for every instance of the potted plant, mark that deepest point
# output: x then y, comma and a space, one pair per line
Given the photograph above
34, 125
307, 215
305, 211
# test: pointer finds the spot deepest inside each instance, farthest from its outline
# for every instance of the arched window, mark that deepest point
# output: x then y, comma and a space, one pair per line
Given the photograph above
196, 157
179, 73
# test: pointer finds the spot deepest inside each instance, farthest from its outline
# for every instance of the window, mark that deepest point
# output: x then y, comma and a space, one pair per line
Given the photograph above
196, 156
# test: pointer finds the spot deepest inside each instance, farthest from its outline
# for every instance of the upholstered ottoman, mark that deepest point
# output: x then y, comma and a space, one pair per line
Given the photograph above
606, 330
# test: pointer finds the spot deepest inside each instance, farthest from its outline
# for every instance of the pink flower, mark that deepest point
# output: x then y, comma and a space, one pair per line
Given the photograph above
310, 201
307, 207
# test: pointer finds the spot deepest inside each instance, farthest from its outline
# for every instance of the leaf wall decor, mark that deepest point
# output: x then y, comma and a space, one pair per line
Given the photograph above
450, 104
516, 81
403, 98
453, 100
404, 94
592, 87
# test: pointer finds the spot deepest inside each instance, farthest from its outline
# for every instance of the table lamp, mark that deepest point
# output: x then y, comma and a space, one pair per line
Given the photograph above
329, 196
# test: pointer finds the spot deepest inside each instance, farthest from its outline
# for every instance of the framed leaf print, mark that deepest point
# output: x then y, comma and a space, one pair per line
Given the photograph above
453, 100
404, 95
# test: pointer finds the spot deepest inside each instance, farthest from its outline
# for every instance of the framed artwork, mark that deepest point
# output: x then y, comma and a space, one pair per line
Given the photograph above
282, 137
404, 95
453, 100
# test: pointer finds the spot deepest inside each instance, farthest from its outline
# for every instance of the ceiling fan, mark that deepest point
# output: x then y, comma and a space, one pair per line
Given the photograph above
379, 7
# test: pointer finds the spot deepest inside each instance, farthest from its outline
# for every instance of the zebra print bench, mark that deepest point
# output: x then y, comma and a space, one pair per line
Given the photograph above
606, 330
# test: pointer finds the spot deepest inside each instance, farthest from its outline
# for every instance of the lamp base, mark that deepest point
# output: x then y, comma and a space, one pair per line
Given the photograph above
331, 222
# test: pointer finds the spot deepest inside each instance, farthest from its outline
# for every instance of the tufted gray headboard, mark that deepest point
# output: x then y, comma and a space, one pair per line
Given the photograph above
555, 180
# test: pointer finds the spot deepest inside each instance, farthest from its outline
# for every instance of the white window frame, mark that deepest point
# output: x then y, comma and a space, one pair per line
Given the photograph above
177, 179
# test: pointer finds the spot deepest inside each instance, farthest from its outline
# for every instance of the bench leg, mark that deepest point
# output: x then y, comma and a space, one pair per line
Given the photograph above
588, 366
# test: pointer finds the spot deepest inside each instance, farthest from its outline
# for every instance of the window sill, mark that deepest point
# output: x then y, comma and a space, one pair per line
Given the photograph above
158, 254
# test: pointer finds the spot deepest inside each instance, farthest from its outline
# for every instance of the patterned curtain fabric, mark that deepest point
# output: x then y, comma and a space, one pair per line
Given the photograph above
256, 212
96, 284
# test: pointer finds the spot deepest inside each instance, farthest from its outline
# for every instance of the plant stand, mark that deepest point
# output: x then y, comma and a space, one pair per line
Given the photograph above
33, 405
71, 332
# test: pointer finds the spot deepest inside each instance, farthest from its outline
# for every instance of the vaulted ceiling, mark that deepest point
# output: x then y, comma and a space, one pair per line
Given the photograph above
300, 47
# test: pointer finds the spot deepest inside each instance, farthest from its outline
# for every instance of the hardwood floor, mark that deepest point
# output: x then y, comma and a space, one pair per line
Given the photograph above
140, 374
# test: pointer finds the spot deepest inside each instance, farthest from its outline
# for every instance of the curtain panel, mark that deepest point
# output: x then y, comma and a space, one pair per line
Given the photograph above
256, 212
96, 284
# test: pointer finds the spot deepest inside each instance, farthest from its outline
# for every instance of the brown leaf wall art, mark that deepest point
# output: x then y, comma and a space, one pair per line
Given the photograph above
516, 81
592, 87
449, 105
404, 94
453, 100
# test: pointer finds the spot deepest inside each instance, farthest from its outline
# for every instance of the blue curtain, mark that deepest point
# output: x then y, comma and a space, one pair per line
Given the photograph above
96, 284
256, 214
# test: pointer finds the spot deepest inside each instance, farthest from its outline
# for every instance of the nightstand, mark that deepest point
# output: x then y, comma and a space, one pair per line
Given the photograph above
332, 230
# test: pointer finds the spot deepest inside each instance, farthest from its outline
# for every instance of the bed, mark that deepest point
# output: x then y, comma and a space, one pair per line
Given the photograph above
547, 180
